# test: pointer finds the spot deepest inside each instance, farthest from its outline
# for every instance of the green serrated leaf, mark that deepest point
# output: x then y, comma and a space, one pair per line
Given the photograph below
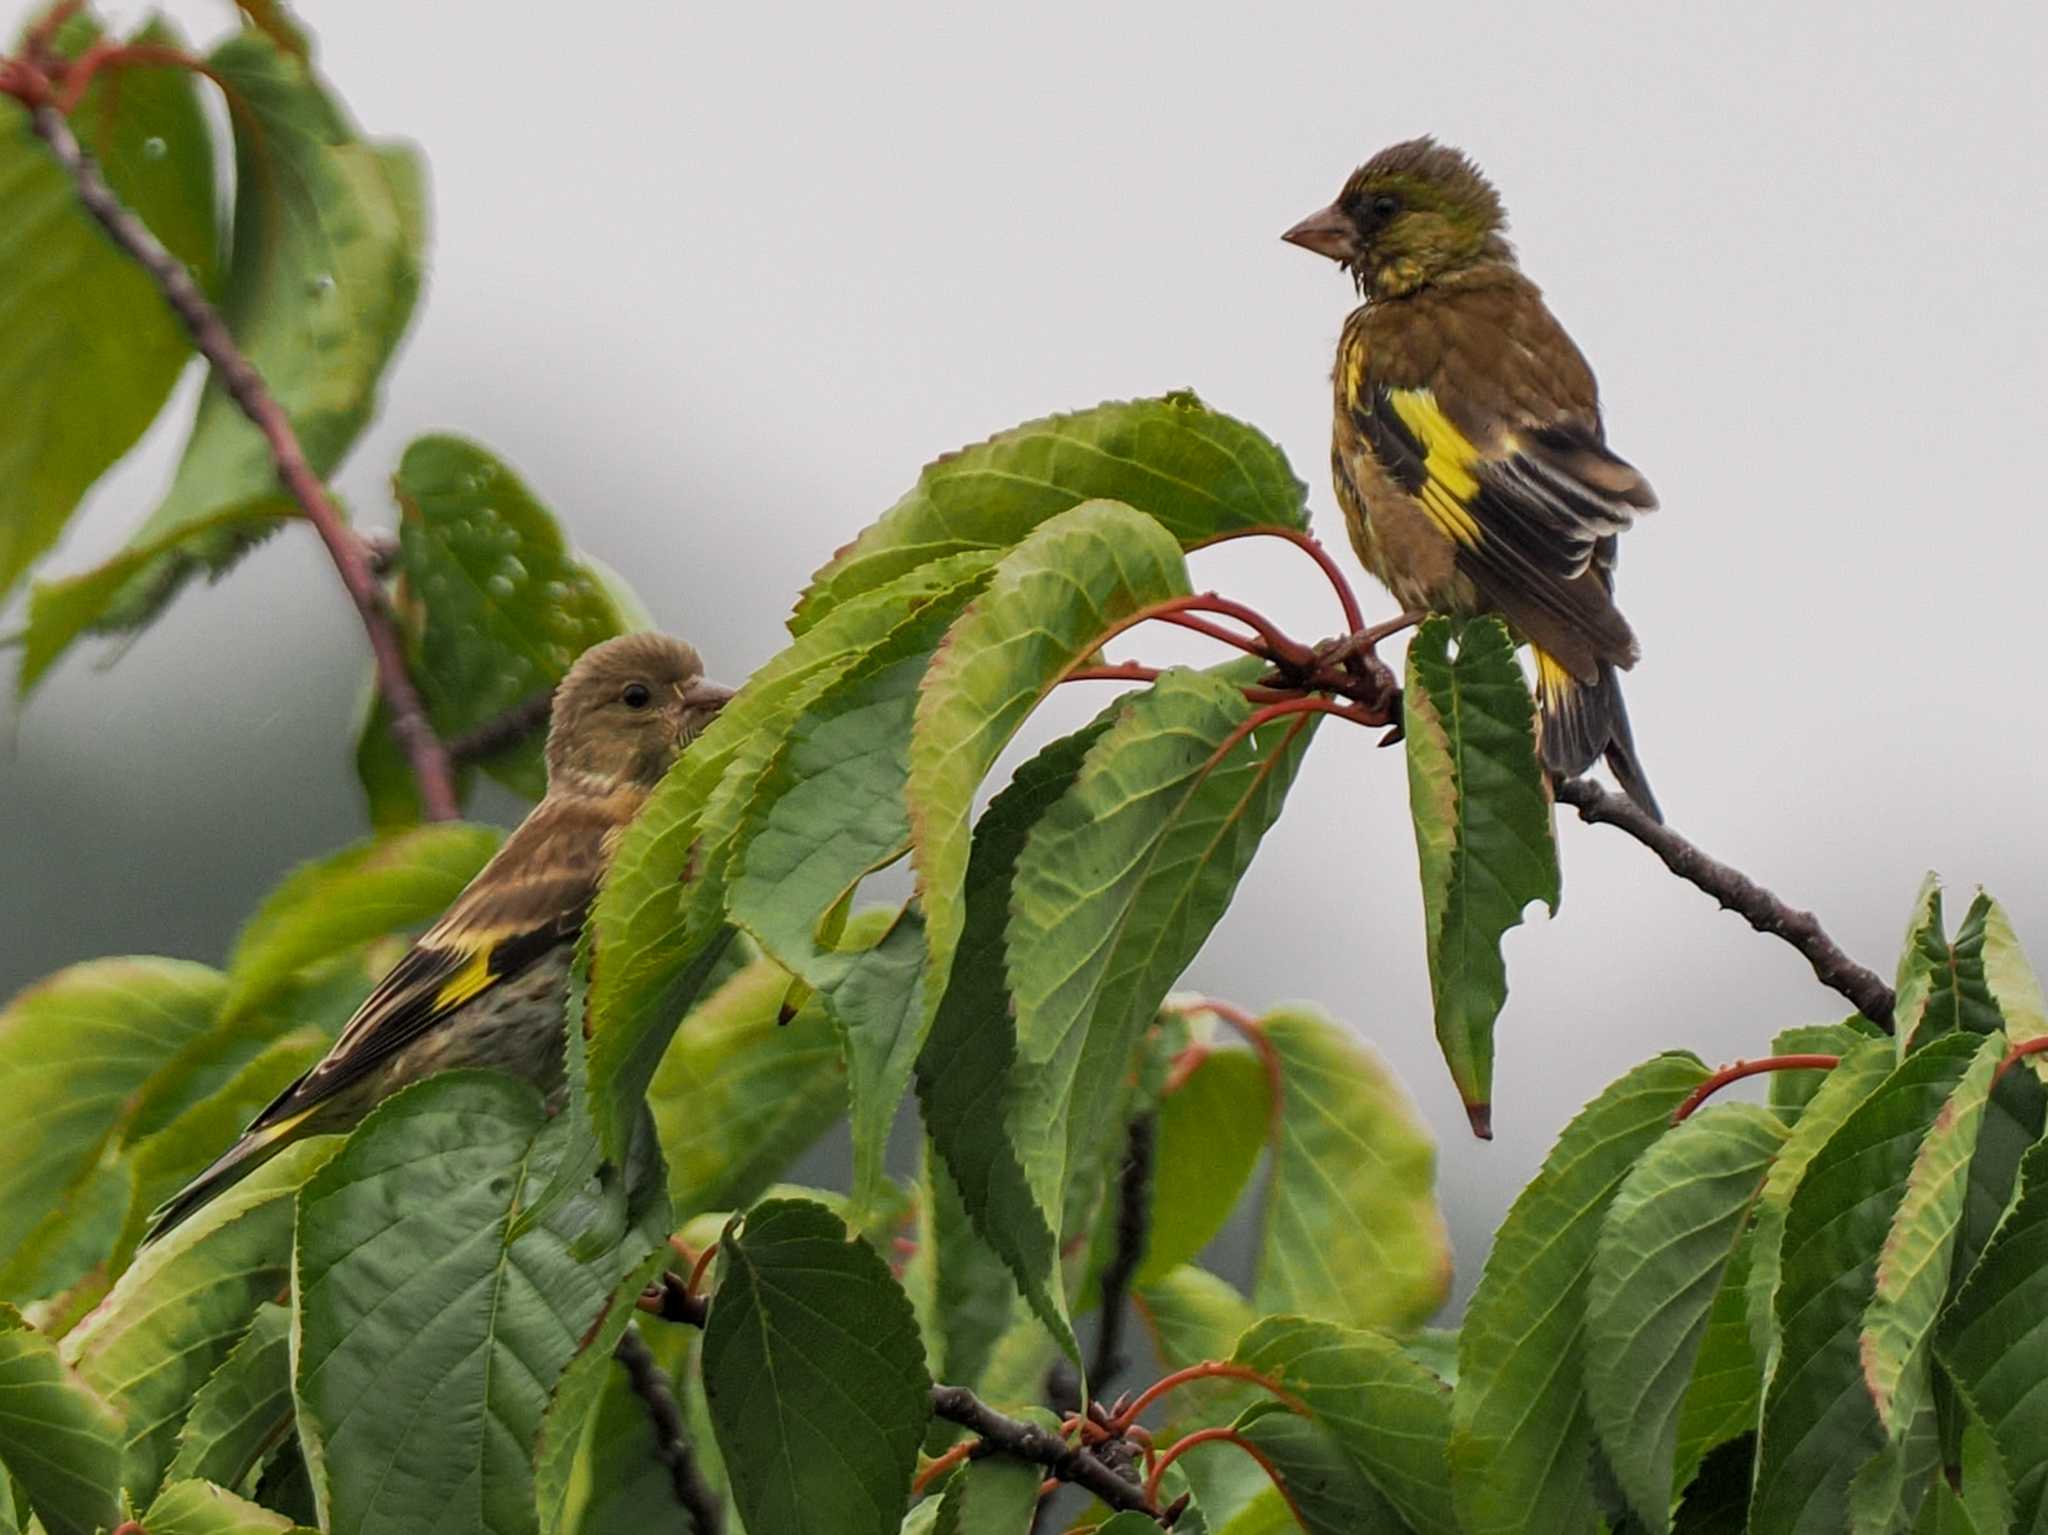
201, 1508
1819, 1424
77, 1051
430, 1334
59, 1438
1118, 885
990, 1496
184, 1304
1793, 1090
740, 1094
1522, 1431
1664, 1247
1048, 605
1211, 1129
327, 255
244, 1411
579, 1397
1913, 1267
92, 348
1942, 984
1352, 1229
1387, 1413
387, 884
1994, 1341
1858, 1075
1482, 831
663, 899
1196, 471
504, 606
815, 1376
964, 1074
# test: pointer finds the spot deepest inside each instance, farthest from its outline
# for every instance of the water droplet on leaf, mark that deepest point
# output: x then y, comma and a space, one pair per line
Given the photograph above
499, 586
154, 148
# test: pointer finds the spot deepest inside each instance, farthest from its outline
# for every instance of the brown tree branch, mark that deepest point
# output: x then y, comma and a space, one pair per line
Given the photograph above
1028, 1442
1738, 893
1134, 1202
671, 1439
409, 725
504, 732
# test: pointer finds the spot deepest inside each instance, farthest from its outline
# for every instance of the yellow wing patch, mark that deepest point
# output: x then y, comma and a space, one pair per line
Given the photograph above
1448, 456
1554, 683
466, 982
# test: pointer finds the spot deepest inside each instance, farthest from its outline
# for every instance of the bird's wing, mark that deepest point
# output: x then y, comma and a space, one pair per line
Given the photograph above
1532, 506
495, 930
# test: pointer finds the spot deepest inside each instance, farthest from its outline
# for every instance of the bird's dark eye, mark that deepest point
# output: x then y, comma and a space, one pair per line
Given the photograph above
1385, 206
636, 695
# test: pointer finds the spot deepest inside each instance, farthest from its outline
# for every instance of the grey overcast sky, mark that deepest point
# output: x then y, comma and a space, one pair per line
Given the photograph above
718, 279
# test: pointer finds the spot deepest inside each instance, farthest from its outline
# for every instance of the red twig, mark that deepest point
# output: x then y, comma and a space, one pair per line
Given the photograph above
1741, 1069
1214, 632
1209, 1369
1226, 1435
698, 1268
210, 334
1253, 1033
78, 74
1119, 671
940, 1465
1354, 619
1298, 704
2020, 1051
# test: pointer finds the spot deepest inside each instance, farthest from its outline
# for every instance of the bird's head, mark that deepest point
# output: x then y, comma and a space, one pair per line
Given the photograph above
625, 712
1410, 214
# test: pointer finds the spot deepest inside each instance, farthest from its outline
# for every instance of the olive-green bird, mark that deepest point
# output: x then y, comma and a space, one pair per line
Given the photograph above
486, 985
1469, 455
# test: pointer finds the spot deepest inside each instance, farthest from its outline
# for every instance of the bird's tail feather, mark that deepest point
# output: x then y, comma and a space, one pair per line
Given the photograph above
1579, 722
230, 1168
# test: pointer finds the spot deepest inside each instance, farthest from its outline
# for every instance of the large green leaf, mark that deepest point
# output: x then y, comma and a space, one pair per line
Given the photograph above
991, 1496
1352, 1229
1820, 1426
829, 811
972, 1298
965, 1073
504, 607
1522, 1431
183, 1306
1334, 1496
327, 254
1211, 1128
1195, 470
1046, 608
76, 1052
1118, 885
1726, 1391
201, 1508
1853, 1080
387, 884
1913, 1276
663, 899
1994, 1340
1386, 1412
740, 1093
815, 1376
1942, 986
244, 1410
92, 348
433, 1321
59, 1439
1482, 831
1664, 1247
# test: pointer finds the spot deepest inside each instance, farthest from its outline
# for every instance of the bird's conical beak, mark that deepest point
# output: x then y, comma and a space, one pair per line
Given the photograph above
1327, 232
706, 695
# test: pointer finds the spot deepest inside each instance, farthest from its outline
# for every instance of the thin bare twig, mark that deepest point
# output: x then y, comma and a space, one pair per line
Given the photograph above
1134, 1206
409, 725
1028, 1442
1738, 893
512, 728
671, 1439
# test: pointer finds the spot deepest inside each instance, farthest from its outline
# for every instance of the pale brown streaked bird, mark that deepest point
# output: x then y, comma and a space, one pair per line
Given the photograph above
486, 985
1468, 450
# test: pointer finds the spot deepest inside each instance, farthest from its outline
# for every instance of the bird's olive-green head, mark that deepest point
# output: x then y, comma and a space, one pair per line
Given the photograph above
1411, 214
625, 712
